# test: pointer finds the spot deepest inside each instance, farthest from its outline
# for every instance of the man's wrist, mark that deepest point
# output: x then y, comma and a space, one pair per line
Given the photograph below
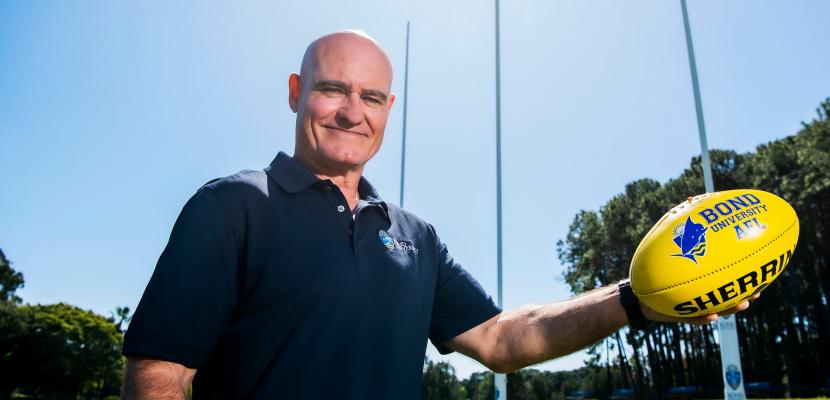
631, 305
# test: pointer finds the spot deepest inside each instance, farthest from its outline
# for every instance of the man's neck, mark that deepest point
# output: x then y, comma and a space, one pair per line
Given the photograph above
347, 185
347, 180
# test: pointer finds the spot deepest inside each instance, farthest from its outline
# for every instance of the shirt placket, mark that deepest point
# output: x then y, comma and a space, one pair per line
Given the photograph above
340, 207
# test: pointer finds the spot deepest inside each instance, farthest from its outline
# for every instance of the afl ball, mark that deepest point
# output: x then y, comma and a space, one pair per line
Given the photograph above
714, 250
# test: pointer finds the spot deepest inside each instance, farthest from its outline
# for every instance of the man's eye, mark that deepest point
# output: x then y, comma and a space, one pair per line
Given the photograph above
373, 100
332, 90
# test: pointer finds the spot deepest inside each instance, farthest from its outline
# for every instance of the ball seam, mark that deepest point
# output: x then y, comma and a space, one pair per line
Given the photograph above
724, 267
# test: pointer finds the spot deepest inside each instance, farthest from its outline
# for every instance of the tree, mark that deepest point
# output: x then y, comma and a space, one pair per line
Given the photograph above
57, 350
11, 322
10, 281
61, 351
479, 386
440, 383
12, 327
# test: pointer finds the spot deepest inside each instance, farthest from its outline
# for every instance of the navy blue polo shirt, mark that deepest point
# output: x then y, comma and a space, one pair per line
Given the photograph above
271, 289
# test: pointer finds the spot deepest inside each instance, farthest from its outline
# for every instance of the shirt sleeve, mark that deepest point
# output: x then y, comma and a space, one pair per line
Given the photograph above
460, 302
193, 289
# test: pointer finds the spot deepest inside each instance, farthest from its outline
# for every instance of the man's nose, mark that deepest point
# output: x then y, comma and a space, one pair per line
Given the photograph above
351, 111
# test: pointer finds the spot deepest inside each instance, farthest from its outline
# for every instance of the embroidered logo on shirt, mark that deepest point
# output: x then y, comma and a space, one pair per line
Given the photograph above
393, 244
386, 239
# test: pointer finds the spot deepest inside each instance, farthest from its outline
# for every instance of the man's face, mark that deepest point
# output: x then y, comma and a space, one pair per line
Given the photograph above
342, 101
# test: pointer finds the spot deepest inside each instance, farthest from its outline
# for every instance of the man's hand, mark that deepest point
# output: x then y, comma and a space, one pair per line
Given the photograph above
701, 320
146, 378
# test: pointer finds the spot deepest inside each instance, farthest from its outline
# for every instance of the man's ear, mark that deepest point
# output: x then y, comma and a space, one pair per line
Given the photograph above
391, 100
294, 91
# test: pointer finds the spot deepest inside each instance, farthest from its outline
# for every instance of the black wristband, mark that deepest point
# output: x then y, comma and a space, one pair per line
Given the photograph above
631, 304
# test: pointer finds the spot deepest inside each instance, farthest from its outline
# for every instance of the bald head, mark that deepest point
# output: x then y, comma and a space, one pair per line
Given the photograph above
342, 45
342, 98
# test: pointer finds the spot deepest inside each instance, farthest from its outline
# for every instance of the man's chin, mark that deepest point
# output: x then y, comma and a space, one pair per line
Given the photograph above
347, 160
334, 160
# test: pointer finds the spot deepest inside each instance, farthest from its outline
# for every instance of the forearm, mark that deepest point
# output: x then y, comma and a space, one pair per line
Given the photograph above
155, 379
537, 333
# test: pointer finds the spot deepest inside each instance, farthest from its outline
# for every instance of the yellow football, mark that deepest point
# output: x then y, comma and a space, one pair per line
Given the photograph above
714, 250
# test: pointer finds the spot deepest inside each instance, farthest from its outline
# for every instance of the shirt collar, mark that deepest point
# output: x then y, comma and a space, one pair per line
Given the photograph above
367, 192
292, 176
295, 177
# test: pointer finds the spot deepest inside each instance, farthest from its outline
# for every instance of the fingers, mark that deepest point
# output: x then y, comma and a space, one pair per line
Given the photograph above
740, 307
701, 320
707, 319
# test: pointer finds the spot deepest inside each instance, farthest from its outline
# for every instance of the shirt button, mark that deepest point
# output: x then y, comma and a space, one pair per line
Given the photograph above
327, 188
340, 208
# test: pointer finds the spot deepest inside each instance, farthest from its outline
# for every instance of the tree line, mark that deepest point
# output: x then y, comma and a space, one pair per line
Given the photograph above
56, 351
440, 383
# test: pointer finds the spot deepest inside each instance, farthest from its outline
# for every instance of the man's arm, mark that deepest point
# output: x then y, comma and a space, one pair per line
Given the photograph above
146, 378
537, 333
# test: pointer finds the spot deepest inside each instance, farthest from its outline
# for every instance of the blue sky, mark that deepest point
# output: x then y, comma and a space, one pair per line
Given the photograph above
113, 114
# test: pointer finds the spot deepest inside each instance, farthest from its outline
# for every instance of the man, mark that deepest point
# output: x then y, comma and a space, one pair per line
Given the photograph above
300, 282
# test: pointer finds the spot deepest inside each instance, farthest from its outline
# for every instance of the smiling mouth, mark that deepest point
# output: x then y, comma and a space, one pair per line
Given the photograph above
334, 128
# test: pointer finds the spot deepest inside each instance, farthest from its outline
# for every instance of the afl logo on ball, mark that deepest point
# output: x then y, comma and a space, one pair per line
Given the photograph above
690, 237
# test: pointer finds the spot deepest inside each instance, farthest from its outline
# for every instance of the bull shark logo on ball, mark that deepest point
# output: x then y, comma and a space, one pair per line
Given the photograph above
690, 237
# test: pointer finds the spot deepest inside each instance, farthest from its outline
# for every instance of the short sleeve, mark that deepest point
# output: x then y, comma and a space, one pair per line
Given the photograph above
460, 302
193, 289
